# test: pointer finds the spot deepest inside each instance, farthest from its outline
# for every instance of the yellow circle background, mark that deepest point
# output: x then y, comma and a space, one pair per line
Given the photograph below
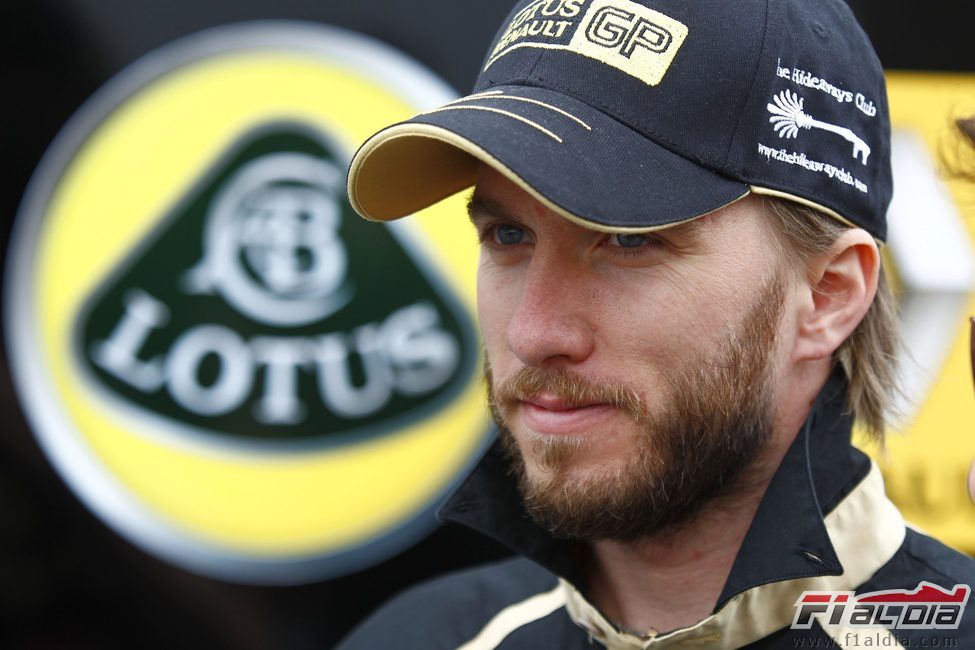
137, 163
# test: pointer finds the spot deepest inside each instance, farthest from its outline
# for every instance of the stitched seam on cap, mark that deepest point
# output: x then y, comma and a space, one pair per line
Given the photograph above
751, 90
538, 59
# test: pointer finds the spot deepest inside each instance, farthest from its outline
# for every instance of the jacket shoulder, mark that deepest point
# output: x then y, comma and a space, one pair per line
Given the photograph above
450, 610
924, 559
919, 558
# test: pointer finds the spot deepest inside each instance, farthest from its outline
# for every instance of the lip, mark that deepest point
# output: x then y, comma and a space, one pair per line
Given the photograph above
550, 415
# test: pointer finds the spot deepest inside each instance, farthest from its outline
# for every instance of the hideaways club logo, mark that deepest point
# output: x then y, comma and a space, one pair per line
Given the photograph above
801, 137
223, 361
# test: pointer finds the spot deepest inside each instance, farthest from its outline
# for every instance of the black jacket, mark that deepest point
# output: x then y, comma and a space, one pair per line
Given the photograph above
824, 524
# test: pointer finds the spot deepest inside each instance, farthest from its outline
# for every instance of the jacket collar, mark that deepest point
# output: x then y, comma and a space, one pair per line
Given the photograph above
787, 540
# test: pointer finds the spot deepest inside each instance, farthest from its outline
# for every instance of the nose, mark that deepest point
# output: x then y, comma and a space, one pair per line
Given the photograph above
552, 324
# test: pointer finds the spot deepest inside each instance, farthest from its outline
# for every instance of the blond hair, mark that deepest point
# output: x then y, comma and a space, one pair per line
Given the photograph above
958, 158
869, 355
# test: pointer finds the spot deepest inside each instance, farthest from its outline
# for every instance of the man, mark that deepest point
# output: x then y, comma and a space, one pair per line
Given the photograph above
682, 301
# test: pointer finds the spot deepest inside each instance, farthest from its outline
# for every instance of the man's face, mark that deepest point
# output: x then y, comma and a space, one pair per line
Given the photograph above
632, 375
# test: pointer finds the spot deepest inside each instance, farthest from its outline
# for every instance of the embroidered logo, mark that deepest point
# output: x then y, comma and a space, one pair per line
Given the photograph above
788, 117
629, 37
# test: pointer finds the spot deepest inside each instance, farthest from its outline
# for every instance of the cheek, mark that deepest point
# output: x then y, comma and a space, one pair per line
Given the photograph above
494, 305
672, 321
713, 307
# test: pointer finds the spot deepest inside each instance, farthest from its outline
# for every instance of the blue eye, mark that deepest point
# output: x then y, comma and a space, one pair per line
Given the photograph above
631, 241
509, 235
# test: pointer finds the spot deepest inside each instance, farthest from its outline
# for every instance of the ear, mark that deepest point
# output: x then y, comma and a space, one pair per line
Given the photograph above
841, 286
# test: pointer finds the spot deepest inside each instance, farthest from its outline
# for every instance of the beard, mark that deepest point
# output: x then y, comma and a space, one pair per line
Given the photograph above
693, 449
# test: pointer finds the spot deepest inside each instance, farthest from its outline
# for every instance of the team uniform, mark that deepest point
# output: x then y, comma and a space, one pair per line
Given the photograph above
824, 524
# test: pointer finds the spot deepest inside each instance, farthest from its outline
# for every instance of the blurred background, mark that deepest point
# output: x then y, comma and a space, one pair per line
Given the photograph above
76, 574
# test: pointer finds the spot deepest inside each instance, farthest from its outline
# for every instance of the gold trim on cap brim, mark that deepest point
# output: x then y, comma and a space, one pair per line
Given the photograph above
806, 202
380, 191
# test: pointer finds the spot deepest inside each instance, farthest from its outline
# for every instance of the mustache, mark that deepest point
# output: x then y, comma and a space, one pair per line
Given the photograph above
529, 382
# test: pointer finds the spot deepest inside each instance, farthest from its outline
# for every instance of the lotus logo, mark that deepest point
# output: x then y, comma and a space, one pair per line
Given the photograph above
254, 315
272, 244
222, 361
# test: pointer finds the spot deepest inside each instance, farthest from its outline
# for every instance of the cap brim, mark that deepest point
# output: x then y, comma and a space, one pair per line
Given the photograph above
581, 163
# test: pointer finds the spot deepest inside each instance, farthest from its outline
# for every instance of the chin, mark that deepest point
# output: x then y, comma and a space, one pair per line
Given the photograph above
571, 457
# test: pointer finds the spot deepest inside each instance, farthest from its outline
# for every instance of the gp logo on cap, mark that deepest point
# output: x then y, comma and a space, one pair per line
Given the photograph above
226, 365
632, 38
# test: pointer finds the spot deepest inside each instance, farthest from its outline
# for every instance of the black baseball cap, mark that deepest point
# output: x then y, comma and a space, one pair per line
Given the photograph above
633, 115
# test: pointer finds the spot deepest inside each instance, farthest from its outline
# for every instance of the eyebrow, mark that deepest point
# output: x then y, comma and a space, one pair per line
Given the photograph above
477, 205
691, 230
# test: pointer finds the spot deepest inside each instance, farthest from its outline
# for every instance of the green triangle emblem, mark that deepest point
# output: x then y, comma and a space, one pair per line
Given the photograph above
263, 309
